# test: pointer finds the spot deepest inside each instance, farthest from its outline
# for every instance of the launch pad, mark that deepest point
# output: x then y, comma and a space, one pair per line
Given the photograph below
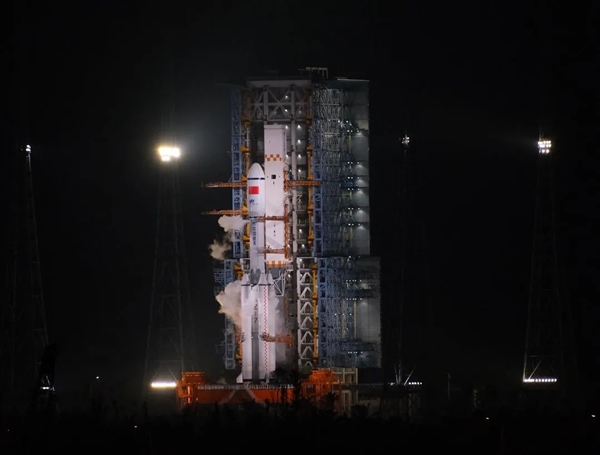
194, 388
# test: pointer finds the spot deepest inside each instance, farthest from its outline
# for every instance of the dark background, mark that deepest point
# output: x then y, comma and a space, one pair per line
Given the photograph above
472, 83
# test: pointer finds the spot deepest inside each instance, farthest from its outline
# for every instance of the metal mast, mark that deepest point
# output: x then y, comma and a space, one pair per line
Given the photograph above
544, 362
23, 318
395, 306
170, 346
402, 225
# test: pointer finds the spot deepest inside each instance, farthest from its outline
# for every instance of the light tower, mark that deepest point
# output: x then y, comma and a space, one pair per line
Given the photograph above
171, 345
24, 336
544, 362
400, 288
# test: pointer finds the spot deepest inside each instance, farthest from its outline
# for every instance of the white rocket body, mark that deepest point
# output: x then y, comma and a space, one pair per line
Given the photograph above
256, 213
266, 198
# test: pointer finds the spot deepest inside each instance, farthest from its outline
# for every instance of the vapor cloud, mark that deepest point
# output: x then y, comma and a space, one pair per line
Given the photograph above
231, 223
219, 249
230, 300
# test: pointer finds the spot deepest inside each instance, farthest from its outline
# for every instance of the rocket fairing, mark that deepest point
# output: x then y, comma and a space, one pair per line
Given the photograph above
256, 191
256, 209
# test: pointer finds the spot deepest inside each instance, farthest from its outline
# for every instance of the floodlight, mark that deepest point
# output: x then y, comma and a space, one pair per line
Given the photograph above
163, 385
544, 146
168, 153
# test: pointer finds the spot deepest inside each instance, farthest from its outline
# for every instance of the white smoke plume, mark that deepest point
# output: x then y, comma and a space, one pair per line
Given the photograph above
231, 223
230, 300
218, 249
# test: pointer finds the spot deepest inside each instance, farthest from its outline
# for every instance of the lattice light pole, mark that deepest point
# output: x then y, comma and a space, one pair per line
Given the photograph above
171, 345
544, 362
23, 319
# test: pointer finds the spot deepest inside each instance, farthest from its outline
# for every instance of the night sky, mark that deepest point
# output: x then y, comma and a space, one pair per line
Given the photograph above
471, 83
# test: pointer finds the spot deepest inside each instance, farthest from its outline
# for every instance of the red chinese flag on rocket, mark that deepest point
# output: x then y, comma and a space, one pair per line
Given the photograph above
253, 190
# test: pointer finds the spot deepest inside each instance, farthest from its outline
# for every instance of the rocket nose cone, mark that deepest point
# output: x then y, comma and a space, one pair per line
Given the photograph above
256, 172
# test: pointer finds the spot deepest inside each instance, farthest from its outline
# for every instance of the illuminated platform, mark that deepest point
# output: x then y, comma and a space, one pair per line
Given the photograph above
236, 394
194, 388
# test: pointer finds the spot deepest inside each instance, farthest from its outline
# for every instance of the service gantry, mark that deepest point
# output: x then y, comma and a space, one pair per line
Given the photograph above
329, 282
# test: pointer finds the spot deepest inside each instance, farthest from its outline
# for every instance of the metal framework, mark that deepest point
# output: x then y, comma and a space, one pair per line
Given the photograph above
331, 296
344, 283
341, 206
24, 336
544, 361
237, 168
171, 346
224, 276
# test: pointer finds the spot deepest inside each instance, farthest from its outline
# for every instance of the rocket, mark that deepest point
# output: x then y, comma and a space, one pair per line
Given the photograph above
258, 355
266, 200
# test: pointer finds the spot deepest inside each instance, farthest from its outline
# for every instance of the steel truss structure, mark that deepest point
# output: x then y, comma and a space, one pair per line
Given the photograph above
23, 332
329, 282
544, 349
170, 348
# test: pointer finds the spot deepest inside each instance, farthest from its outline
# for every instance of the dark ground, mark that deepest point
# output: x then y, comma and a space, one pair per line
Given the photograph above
104, 428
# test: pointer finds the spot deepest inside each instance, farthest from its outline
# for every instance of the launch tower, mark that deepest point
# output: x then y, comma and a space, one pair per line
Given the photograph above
308, 137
